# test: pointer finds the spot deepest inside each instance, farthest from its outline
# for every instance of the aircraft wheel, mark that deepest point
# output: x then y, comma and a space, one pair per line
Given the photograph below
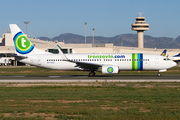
159, 74
92, 73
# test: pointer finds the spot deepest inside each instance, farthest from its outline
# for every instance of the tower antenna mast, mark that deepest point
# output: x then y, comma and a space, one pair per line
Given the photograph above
140, 26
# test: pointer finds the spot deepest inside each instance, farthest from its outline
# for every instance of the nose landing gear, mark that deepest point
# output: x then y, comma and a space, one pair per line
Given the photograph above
91, 74
159, 74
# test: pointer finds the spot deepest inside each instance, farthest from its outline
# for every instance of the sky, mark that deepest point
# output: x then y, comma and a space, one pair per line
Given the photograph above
50, 18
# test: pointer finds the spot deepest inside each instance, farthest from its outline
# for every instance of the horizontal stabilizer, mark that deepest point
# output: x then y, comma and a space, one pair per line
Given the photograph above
17, 56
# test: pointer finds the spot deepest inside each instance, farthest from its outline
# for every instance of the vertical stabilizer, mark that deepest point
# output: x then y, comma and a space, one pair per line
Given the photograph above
164, 52
22, 44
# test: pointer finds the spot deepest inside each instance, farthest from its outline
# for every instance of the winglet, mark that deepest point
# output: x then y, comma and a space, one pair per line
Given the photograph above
62, 55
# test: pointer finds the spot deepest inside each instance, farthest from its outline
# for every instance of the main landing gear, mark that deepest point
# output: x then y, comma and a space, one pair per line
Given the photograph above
91, 74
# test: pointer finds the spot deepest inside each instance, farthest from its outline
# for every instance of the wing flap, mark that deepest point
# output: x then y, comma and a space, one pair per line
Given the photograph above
84, 65
80, 64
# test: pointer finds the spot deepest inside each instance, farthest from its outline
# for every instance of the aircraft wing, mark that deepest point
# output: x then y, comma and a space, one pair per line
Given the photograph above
80, 64
86, 66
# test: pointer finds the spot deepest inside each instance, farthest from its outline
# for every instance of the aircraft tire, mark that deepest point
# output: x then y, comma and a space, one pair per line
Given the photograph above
91, 74
158, 74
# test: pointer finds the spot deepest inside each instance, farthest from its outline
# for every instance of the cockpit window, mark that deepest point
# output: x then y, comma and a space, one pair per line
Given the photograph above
166, 59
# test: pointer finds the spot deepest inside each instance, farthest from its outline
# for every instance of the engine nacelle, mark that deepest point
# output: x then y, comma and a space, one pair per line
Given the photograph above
110, 69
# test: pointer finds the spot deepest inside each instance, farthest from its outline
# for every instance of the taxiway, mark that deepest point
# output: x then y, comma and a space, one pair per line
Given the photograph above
100, 78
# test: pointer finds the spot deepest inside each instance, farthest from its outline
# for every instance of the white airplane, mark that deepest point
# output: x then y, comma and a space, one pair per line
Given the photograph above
106, 63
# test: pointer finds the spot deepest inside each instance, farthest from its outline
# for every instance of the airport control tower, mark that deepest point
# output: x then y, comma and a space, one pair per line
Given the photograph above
140, 26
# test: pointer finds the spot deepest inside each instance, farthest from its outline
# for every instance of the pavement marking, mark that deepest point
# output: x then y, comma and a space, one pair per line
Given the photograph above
54, 76
87, 80
19, 76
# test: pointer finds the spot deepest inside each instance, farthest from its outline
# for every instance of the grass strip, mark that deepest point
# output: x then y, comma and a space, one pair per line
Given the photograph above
103, 101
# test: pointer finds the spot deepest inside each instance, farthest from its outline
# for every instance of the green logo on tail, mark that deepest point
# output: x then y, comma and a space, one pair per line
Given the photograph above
22, 44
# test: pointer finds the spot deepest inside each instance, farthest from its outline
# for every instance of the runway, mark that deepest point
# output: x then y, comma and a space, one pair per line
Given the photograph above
98, 78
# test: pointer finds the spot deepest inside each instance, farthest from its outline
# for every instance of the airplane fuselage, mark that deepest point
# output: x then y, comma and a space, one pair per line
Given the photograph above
127, 61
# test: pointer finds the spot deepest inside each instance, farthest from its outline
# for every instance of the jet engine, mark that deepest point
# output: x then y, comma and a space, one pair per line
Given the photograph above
110, 69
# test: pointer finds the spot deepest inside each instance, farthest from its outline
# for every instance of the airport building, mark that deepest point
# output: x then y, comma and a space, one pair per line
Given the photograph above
7, 46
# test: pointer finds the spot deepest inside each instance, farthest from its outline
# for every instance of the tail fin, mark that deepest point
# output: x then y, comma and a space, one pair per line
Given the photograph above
178, 55
22, 44
176, 58
164, 53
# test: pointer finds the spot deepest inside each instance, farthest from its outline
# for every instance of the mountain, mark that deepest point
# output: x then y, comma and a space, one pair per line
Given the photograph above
128, 40
69, 38
178, 39
44, 38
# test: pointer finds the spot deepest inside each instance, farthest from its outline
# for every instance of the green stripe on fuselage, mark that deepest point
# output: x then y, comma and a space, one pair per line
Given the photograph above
133, 62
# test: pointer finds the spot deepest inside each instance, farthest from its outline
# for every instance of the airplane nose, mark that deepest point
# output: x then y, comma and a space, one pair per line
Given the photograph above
173, 63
